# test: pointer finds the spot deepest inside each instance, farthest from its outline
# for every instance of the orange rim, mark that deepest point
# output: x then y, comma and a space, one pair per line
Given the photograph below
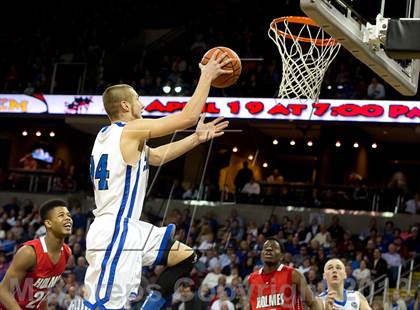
304, 21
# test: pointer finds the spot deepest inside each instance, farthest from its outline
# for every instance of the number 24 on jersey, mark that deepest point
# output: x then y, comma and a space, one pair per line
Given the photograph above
100, 172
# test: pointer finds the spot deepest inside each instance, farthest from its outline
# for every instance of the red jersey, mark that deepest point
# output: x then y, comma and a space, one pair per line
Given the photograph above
34, 288
274, 290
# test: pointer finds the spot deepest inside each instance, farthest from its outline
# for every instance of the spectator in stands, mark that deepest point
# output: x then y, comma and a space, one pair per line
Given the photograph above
251, 190
396, 303
314, 228
275, 177
376, 90
335, 229
388, 235
415, 303
4, 264
321, 237
373, 224
379, 266
362, 274
350, 283
412, 205
28, 162
393, 260
413, 242
186, 299
79, 218
223, 302
243, 176
212, 278
80, 270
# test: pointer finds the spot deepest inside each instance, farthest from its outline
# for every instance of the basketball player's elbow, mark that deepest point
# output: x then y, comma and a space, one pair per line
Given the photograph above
156, 159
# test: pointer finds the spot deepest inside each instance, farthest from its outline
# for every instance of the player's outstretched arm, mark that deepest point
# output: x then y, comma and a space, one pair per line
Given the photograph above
364, 305
142, 129
305, 291
24, 260
203, 133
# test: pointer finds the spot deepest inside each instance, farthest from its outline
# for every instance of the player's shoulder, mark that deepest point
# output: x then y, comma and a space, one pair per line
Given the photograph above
254, 275
25, 257
283, 268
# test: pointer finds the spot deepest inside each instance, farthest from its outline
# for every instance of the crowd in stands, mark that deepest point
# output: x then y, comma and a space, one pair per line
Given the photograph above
112, 47
229, 250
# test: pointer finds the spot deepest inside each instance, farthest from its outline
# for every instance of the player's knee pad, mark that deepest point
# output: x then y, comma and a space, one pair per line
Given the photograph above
171, 275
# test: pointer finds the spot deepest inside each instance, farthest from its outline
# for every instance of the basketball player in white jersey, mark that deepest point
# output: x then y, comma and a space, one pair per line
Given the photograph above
336, 297
118, 243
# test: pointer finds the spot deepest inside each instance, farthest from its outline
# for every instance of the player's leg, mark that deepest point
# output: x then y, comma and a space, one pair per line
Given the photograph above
110, 277
179, 260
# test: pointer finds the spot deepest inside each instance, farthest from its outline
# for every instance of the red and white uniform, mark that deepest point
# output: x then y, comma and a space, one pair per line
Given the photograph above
274, 290
34, 288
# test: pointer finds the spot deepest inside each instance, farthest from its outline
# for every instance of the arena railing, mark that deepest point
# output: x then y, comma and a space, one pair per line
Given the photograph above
404, 280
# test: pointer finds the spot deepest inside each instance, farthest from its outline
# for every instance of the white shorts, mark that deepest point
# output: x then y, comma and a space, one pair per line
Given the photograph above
116, 259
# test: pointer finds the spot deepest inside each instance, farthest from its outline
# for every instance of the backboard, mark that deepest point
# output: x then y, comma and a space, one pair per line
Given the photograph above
362, 30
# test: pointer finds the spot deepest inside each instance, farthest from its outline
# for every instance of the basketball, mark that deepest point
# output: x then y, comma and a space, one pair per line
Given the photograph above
225, 80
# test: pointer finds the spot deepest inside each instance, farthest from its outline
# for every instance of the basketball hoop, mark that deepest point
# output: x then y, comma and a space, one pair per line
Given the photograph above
306, 52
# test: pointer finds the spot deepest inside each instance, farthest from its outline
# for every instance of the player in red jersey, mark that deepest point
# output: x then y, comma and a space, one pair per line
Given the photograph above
279, 287
38, 264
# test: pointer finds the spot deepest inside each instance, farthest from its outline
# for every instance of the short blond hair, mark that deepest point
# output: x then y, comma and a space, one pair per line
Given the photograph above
112, 97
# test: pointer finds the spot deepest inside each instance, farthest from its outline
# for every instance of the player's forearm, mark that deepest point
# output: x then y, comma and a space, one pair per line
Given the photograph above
7, 300
165, 153
196, 103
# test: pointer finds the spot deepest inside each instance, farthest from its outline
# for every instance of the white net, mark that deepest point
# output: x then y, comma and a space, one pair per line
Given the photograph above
306, 53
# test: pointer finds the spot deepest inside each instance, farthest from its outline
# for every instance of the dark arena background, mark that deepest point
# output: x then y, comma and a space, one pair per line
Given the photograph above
340, 179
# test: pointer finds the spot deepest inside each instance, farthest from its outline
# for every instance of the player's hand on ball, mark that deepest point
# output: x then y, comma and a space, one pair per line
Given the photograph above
214, 66
210, 130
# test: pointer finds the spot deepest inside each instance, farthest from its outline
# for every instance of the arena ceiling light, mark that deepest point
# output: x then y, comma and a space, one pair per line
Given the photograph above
374, 145
356, 145
275, 142
24, 133
235, 149
38, 134
250, 157
52, 134
166, 89
310, 143
293, 142
178, 89
338, 144
265, 165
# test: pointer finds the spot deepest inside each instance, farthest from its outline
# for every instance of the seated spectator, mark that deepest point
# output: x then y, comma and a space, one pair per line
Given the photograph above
379, 266
355, 264
28, 162
396, 303
350, 283
321, 237
4, 264
362, 274
222, 303
243, 176
212, 278
306, 266
415, 303
376, 90
185, 299
80, 270
275, 177
251, 188
393, 260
